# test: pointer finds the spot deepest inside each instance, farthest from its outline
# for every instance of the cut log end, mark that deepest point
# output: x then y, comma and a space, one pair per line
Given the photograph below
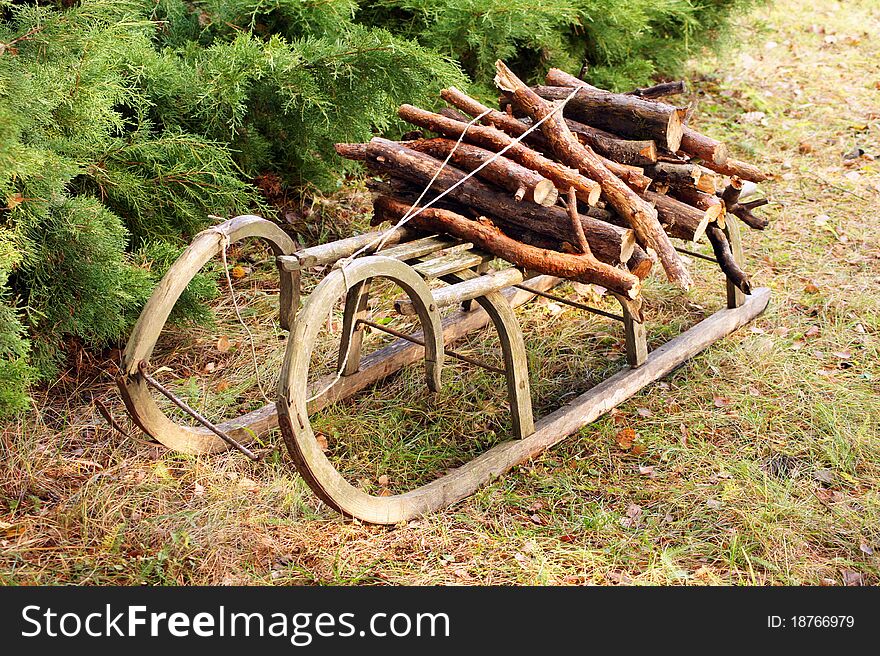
545, 193
674, 132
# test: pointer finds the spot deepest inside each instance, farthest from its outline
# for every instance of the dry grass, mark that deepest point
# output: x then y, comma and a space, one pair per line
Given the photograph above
759, 463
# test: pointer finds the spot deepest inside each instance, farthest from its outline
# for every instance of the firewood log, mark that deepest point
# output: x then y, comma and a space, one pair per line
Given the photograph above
486, 236
691, 142
490, 138
609, 243
507, 174
640, 215
632, 175
621, 114
736, 167
661, 90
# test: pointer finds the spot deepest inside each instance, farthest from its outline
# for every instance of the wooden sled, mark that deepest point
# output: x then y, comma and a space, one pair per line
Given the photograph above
409, 260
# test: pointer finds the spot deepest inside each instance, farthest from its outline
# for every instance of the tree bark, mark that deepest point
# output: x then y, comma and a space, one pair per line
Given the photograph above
622, 114
633, 176
681, 220
694, 197
609, 243
661, 90
738, 168
486, 236
711, 151
501, 120
559, 78
744, 212
669, 173
625, 151
588, 190
507, 174
641, 216
721, 248
576, 225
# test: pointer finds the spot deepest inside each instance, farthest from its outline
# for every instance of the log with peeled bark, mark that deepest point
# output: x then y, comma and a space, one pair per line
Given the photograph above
681, 220
724, 255
738, 168
490, 138
487, 237
526, 184
609, 243
640, 215
675, 88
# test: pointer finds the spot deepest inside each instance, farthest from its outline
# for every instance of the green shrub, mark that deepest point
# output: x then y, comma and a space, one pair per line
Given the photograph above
124, 124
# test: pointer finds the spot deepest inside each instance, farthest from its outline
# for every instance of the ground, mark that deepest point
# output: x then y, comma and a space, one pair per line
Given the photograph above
757, 463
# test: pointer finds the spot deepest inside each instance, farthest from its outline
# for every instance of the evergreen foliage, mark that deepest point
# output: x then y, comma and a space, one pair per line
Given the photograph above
124, 124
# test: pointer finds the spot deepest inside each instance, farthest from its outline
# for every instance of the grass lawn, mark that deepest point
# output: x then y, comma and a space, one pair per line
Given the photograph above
756, 463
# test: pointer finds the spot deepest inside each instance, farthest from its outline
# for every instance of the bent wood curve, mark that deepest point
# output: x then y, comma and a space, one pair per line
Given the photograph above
136, 395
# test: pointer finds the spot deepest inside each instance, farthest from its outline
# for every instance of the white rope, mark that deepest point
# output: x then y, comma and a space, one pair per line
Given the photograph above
382, 239
225, 243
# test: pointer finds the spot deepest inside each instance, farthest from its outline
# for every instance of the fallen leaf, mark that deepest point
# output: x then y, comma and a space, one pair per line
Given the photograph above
538, 505
851, 578
821, 220
644, 412
721, 401
222, 386
321, 439
568, 538
625, 437
843, 355
638, 449
247, 485
811, 288
385, 492
805, 147
198, 490
538, 519
646, 471
383, 480
239, 272
866, 549
812, 331
714, 504
824, 494
223, 344
210, 367
634, 511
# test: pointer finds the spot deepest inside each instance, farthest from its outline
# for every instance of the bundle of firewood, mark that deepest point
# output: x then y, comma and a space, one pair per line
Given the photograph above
594, 193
